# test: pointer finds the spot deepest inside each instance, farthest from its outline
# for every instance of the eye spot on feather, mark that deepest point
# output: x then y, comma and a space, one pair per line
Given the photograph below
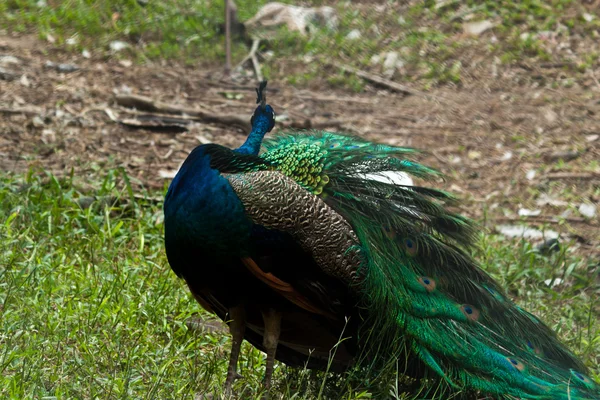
428, 283
410, 246
389, 232
534, 348
516, 364
335, 145
582, 378
470, 312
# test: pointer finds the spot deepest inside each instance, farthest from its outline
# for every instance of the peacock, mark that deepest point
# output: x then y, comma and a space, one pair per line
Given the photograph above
307, 237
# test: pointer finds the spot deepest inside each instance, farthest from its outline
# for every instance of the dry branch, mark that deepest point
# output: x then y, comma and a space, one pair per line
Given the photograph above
378, 80
253, 57
540, 219
24, 111
572, 175
148, 104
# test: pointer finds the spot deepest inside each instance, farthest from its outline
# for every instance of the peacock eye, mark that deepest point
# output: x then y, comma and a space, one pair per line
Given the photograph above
518, 365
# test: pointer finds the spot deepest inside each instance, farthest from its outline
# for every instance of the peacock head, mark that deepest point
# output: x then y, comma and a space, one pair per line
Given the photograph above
263, 119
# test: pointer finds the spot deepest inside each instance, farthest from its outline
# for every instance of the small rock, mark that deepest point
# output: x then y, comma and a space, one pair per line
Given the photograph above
524, 212
530, 174
478, 27
9, 60
37, 121
72, 41
354, 34
506, 156
50, 38
41, 4
24, 81
474, 155
64, 68
401, 21
126, 63
86, 54
118, 45
591, 138
389, 64
588, 17
587, 210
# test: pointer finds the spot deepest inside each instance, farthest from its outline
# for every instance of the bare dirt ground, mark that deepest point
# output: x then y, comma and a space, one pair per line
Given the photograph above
506, 139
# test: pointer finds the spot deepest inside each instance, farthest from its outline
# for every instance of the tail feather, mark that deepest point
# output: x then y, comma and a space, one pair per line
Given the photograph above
438, 303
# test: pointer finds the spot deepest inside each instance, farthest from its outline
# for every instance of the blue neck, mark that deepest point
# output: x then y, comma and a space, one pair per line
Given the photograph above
254, 140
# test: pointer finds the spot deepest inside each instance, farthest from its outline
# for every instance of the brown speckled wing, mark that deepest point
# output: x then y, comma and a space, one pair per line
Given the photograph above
275, 201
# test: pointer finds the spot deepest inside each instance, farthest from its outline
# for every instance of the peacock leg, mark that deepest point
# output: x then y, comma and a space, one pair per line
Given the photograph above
272, 320
237, 326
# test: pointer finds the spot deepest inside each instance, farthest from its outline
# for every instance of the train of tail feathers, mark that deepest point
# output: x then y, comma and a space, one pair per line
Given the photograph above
308, 236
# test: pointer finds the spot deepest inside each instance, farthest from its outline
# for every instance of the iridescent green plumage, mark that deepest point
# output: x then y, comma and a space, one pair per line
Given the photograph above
420, 292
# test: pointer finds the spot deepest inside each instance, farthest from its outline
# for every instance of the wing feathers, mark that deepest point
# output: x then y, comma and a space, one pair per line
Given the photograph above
284, 288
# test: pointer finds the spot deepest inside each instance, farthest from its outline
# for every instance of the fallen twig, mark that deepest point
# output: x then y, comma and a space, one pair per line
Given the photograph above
543, 219
572, 175
146, 103
316, 97
24, 111
386, 82
378, 80
550, 65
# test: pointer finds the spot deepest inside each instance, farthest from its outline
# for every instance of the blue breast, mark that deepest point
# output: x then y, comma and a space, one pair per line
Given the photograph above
203, 215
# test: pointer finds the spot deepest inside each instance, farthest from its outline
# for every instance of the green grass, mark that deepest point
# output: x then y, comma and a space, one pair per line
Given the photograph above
428, 40
182, 29
89, 307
